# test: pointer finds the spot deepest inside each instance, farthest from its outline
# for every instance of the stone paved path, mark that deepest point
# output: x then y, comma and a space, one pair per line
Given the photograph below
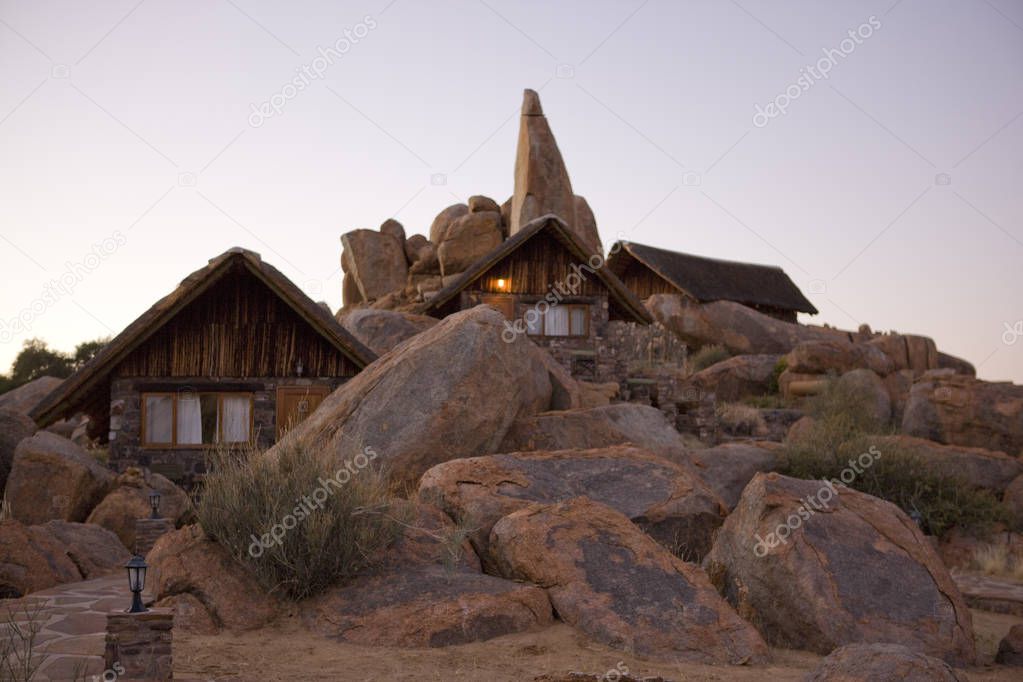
72, 619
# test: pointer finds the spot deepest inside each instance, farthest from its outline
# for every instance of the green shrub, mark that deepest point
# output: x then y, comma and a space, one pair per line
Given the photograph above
899, 476
779, 367
707, 356
247, 496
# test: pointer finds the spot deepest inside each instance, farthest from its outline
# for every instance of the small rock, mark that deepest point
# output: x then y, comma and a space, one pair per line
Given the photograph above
881, 663
1010, 649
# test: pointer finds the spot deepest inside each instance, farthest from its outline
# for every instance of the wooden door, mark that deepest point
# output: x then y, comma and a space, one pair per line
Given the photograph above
295, 403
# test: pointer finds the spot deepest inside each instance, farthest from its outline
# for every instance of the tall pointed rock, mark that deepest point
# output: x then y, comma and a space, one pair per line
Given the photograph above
541, 179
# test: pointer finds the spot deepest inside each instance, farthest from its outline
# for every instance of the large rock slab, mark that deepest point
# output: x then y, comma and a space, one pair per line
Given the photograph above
855, 569
958, 409
838, 356
910, 351
52, 478
14, 428
443, 221
32, 559
129, 501
382, 330
881, 663
664, 499
616, 584
542, 185
94, 550
468, 239
25, 397
375, 261
596, 427
728, 467
185, 561
737, 377
738, 328
451, 391
978, 467
428, 607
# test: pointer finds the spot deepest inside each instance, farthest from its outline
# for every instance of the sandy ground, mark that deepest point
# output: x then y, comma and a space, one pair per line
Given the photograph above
287, 652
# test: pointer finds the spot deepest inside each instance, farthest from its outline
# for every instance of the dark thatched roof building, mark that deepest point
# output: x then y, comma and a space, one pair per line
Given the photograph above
235, 355
647, 270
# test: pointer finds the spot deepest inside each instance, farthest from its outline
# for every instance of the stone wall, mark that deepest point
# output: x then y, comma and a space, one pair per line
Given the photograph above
139, 645
187, 465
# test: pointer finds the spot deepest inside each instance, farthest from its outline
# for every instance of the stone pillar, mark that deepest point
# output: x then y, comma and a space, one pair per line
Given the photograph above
139, 645
148, 531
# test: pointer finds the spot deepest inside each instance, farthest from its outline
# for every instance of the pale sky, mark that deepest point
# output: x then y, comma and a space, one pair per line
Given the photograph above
889, 190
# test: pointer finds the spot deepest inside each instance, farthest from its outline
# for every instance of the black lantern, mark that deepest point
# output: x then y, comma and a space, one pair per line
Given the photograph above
154, 504
136, 582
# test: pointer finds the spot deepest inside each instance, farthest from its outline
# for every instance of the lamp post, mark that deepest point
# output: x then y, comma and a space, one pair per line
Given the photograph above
136, 582
154, 504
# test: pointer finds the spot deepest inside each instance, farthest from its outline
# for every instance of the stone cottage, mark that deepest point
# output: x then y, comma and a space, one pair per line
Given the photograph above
233, 357
549, 286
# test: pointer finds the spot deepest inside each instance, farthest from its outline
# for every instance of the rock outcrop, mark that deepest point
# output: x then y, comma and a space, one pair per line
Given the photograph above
25, 397
14, 428
818, 566
443, 221
129, 501
838, 357
616, 424
728, 467
187, 562
376, 263
451, 391
736, 378
32, 559
52, 478
909, 351
881, 663
960, 410
866, 383
740, 329
94, 550
382, 330
468, 239
427, 607
616, 584
666, 500
585, 226
1010, 649
542, 185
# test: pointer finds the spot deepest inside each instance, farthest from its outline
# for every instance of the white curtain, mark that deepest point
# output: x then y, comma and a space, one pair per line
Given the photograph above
235, 419
578, 314
556, 323
189, 420
159, 419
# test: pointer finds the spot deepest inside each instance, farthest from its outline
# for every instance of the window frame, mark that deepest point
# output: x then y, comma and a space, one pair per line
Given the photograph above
585, 307
174, 445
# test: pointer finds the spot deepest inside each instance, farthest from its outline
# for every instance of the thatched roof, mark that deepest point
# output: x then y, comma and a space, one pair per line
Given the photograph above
619, 293
710, 279
79, 388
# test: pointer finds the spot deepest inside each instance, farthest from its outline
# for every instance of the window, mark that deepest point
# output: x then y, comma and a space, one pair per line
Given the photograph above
560, 320
196, 419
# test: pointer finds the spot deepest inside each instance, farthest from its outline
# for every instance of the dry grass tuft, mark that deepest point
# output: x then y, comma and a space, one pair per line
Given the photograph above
317, 539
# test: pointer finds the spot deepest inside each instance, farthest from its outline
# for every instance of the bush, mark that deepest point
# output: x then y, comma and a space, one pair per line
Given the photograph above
334, 534
773, 386
845, 428
740, 419
707, 356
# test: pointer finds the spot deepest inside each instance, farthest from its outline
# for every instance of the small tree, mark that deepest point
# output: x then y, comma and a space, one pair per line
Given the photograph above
36, 359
